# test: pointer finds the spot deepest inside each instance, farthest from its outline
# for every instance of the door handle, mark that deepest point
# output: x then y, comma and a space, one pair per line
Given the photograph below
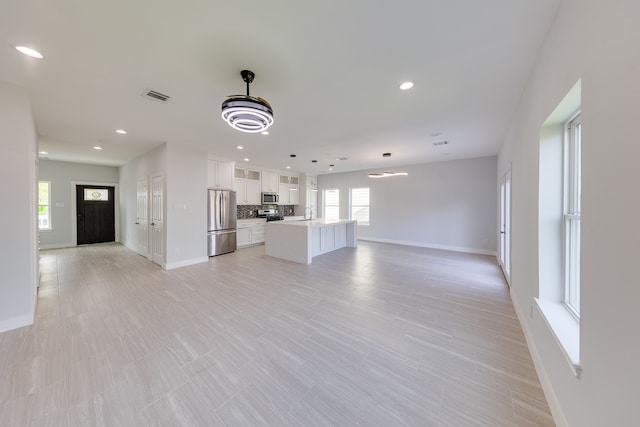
136, 223
153, 223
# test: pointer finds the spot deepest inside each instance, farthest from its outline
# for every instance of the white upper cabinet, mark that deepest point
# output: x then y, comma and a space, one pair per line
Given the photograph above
219, 174
270, 182
289, 190
247, 183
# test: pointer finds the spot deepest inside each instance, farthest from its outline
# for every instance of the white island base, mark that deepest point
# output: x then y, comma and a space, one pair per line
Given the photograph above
300, 241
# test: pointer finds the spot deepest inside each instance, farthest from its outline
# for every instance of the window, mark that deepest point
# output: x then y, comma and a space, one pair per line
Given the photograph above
331, 204
44, 205
558, 298
360, 205
571, 238
96, 194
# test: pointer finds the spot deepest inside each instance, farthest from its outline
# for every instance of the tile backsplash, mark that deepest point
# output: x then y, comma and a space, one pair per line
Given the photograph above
251, 211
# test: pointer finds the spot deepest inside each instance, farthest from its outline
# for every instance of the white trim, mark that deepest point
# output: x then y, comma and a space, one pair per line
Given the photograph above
57, 246
17, 322
545, 381
565, 328
430, 245
185, 263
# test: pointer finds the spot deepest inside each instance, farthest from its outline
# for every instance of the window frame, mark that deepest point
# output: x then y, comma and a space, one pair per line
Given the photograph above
368, 205
48, 205
325, 205
571, 215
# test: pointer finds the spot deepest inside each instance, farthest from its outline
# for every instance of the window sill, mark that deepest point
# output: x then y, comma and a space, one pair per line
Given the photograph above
566, 330
45, 230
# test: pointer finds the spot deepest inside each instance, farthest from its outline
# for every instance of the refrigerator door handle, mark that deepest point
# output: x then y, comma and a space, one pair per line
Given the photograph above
221, 210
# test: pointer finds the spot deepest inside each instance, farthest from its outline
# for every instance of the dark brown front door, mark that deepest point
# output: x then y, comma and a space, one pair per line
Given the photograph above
96, 214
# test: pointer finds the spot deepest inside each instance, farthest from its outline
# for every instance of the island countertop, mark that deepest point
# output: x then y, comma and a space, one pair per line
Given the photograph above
318, 222
302, 240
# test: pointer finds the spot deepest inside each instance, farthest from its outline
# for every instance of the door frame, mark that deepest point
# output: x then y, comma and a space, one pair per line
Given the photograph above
505, 203
74, 208
162, 261
147, 253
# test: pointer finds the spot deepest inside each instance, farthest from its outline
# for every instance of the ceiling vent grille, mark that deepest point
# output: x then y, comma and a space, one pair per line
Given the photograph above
439, 143
156, 96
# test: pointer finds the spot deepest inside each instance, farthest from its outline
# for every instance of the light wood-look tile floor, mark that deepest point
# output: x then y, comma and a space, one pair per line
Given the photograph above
381, 335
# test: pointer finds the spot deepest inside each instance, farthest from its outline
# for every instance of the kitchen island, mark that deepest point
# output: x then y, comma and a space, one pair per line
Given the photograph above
300, 241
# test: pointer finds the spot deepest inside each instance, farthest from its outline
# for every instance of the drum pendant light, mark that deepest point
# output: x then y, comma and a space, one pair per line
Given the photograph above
247, 113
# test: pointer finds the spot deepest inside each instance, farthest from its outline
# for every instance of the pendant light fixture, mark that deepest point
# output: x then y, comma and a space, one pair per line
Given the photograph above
387, 174
247, 113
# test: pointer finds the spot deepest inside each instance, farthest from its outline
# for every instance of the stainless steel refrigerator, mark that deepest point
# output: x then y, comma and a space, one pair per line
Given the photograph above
221, 222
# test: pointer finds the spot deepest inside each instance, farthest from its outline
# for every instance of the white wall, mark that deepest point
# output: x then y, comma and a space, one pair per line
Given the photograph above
449, 205
18, 217
61, 175
597, 42
186, 201
151, 163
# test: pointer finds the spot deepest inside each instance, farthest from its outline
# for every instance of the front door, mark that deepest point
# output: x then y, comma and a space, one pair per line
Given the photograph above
95, 209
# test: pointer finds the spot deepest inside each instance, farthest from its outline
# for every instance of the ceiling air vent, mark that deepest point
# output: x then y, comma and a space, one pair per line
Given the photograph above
156, 96
439, 143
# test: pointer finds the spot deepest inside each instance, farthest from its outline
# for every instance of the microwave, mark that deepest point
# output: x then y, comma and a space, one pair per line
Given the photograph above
270, 198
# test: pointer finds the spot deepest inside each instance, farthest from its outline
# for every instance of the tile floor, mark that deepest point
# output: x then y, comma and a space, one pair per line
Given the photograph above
381, 335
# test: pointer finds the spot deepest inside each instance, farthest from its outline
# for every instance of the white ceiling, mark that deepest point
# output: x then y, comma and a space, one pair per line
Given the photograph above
330, 69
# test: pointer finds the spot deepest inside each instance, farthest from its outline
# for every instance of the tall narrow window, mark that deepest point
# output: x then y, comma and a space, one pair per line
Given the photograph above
360, 205
572, 216
44, 205
331, 204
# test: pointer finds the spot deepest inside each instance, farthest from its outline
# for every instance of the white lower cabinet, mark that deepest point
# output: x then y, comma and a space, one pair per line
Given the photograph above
243, 237
250, 232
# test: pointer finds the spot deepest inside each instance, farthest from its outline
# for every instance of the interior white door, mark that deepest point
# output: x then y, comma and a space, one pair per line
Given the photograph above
157, 219
142, 216
505, 225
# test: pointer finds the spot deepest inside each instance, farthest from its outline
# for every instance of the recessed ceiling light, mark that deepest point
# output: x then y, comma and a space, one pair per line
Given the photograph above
246, 160
265, 132
43, 152
29, 52
240, 147
121, 131
406, 85
97, 148
288, 167
330, 169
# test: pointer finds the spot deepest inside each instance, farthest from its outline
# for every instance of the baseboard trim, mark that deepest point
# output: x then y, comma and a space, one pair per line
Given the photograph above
430, 245
172, 265
16, 322
545, 381
57, 246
